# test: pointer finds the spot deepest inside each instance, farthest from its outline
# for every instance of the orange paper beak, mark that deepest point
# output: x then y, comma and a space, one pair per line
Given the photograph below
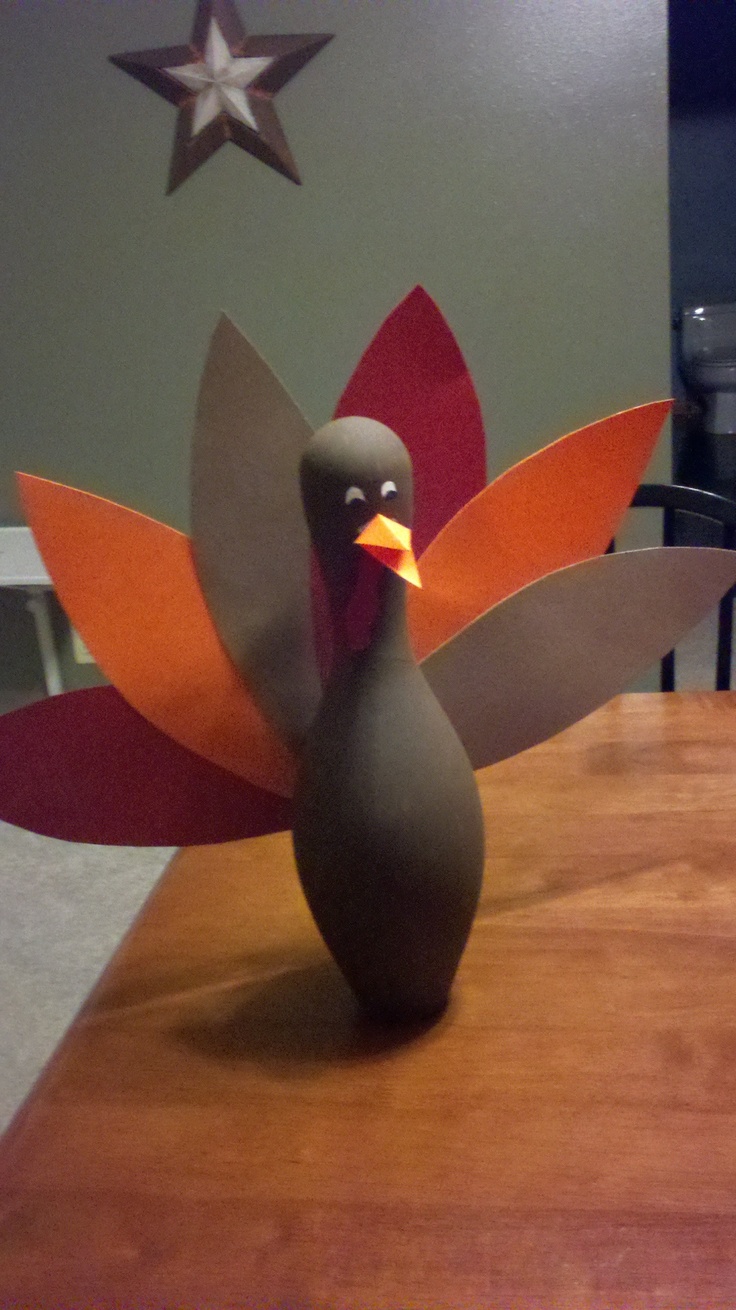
390, 542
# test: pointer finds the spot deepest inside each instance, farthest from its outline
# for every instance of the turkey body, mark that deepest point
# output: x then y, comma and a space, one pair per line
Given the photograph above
388, 835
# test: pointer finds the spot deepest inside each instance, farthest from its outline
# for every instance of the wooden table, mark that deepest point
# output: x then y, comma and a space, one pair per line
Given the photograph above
221, 1128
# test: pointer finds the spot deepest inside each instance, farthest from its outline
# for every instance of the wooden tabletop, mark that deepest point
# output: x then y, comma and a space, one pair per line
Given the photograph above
220, 1127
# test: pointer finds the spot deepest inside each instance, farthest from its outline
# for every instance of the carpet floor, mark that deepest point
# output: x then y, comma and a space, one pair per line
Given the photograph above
64, 908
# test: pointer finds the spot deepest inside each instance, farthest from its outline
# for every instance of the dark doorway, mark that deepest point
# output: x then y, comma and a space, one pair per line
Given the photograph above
702, 41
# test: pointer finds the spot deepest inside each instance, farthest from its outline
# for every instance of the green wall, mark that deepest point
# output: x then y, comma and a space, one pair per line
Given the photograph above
510, 156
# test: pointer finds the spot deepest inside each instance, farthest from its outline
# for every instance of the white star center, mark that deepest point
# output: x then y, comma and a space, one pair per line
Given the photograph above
220, 82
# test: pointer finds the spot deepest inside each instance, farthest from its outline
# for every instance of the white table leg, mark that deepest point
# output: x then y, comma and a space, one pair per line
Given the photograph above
38, 604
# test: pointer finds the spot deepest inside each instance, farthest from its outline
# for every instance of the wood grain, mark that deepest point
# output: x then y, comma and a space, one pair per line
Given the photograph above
221, 1128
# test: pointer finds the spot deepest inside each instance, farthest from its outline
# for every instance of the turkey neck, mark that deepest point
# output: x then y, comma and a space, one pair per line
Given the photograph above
368, 610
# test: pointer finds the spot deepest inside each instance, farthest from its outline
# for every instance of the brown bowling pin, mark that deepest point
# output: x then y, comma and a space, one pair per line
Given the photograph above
388, 831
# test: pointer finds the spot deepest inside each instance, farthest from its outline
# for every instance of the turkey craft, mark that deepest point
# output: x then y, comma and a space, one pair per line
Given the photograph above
265, 681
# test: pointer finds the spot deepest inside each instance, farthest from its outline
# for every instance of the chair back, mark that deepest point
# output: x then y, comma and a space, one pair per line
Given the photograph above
676, 501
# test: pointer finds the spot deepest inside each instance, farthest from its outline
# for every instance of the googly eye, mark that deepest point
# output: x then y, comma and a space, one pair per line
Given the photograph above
354, 493
388, 490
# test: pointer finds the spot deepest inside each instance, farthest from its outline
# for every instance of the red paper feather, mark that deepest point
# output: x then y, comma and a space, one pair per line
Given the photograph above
414, 379
86, 767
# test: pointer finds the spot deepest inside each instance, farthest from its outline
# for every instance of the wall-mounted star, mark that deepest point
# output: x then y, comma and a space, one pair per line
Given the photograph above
223, 84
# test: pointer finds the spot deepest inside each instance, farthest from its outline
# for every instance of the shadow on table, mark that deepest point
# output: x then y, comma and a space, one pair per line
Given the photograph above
300, 1017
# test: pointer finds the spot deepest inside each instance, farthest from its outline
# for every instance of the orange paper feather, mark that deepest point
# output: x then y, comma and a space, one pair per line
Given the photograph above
129, 586
558, 507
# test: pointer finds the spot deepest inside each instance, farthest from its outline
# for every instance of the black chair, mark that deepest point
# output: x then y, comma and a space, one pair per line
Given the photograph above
718, 510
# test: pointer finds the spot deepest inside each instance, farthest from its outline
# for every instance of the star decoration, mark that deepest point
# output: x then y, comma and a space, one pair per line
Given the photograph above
223, 84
